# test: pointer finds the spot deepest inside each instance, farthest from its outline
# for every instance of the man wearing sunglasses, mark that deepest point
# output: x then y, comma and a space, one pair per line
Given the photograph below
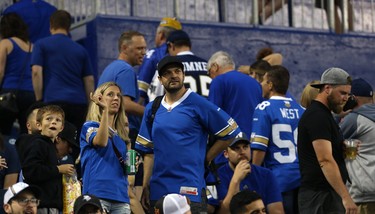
21, 198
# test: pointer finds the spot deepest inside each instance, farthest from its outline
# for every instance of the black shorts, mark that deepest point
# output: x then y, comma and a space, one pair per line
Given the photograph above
319, 202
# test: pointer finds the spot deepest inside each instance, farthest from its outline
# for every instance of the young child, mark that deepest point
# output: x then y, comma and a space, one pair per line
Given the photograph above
40, 167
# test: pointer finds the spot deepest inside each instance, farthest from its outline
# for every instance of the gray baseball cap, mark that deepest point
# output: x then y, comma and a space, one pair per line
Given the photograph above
334, 76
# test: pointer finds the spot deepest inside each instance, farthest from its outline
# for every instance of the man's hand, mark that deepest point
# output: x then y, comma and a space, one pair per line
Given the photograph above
350, 206
145, 198
243, 168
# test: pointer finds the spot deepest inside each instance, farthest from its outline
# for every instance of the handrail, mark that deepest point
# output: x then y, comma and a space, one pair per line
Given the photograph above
292, 13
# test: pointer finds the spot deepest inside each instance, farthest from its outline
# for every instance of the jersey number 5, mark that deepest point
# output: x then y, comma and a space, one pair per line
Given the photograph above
291, 145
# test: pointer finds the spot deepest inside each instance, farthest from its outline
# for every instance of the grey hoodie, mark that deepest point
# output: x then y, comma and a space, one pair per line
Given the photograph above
360, 124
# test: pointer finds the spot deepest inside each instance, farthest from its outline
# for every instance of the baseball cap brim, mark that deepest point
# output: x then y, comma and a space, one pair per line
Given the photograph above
239, 140
167, 62
34, 189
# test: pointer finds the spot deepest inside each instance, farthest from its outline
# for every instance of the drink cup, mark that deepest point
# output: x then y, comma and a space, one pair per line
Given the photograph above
130, 162
351, 148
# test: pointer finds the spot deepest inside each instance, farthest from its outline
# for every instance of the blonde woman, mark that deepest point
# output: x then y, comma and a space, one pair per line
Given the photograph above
309, 93
102, 136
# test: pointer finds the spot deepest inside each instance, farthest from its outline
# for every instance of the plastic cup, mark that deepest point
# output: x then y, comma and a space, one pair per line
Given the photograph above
351, 148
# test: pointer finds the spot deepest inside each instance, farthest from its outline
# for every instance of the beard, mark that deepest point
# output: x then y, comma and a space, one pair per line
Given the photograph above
174, 88
334, 105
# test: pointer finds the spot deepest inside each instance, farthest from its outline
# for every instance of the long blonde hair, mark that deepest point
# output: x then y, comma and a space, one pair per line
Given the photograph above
95, 113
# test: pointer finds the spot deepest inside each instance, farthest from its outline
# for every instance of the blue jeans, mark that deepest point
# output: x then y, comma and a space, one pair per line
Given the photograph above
115, 207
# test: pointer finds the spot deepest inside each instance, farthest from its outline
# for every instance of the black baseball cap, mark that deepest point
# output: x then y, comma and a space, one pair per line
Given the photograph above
87, 199
240, 138
167, 62
178, 35
69, 133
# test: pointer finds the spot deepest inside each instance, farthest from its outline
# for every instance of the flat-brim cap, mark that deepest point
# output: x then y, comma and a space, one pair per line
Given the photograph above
167, 62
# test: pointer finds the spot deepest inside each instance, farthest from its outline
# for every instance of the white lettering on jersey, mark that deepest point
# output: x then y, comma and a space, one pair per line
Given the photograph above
149, 53
195, 66
204, 82
262, 105
289, 113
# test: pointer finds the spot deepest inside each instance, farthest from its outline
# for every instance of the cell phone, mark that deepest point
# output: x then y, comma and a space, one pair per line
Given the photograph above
351, 103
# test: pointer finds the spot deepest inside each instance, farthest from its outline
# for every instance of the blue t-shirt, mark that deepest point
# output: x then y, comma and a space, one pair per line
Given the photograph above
237, 94
179, 147
65, 63
36, 14
123, 74
275, 129
260, 180
102, 173
17, 65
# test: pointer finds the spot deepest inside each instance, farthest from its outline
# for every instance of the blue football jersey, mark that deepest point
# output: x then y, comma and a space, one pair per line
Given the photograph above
275, 128
178, 140
149, 86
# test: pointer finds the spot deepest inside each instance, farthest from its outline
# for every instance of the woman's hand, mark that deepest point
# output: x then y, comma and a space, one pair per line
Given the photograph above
98, 100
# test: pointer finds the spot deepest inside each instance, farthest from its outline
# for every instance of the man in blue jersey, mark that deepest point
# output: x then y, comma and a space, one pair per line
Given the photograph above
236, 93
274, 135
36, 14
196, 77
238, 174
62, 73
149, 85
132, 49
175, 143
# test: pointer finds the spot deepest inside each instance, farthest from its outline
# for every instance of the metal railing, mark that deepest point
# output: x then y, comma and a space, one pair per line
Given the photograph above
285, 13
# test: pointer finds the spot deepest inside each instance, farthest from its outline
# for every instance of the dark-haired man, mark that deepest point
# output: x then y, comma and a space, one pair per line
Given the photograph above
274, 134
196, 77
247, 202
177, 139
239, 174
61, 70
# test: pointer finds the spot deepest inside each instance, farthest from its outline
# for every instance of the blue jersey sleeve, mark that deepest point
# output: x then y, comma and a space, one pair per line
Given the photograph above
147, 71
144, 141
88, 132
261, 127
218, 121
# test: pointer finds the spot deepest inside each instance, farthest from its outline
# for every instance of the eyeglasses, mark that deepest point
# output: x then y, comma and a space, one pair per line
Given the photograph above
25, 201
